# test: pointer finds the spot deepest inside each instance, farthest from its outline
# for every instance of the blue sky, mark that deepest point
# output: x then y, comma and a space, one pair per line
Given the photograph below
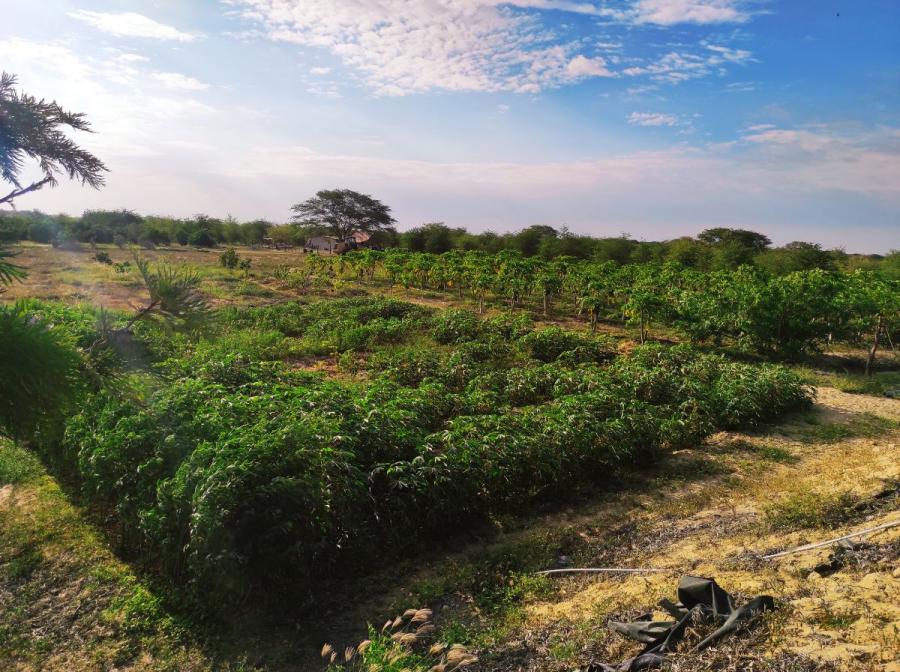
656, 118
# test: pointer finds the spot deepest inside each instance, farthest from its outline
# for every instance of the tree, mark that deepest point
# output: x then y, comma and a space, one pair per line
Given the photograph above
796, 256
31, 128
434, 237
38, 372
750, 240
343, 211
873, 303
528, 241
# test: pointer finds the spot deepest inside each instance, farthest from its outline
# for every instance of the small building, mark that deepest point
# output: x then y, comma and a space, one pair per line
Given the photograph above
323, 244
360, 238
334, 245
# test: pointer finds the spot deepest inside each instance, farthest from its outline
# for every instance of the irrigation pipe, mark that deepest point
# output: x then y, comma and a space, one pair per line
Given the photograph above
809, 547
604, 570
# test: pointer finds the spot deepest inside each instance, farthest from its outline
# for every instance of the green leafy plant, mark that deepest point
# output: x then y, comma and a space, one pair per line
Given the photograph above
229, 258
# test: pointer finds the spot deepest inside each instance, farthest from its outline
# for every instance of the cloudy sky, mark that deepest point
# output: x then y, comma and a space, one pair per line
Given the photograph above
653, 117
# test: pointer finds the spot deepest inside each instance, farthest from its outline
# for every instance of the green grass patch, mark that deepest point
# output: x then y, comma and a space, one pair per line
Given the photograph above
865, 425
806, 509
836, 620
17, 465
776, 454
881, 383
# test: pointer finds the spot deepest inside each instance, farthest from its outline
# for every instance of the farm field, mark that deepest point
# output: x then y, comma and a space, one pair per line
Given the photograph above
450, 336
345, 438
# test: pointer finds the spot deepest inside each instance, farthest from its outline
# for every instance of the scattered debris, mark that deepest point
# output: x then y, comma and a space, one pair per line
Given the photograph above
700, 601
820, 544
857, 555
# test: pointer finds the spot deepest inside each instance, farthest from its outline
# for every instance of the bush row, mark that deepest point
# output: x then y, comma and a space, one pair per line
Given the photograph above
234, 472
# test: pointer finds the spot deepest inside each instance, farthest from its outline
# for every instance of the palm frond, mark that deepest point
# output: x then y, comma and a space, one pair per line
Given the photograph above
9, 272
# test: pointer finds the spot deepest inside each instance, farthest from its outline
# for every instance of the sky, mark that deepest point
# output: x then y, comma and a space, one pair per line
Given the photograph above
652, 118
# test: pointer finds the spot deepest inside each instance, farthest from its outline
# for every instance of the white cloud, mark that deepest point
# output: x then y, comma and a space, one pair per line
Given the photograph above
325, 90
819, 159
652, 119
670, 12
582, 66
401, 47
729, 54
740, 87
319, 71
133, 58
179, 82
680, 66
458, 45
130, 24
128, 120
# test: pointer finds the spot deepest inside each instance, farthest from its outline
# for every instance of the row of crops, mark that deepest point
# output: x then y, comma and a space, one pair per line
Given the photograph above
787, 316
232, 466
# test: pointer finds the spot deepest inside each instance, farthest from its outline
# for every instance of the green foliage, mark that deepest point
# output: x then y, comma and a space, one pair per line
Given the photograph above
17, 464
103, 258
552, 343
456, 326
201, 237
37, 129
229, 258
174, 299
342, 212
40, 375
808, 509
9, 271
237, 471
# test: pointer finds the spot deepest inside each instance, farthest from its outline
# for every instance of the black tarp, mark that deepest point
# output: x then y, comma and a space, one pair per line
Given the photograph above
700, 600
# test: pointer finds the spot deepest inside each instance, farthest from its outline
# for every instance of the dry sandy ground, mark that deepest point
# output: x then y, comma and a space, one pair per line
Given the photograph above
850, 618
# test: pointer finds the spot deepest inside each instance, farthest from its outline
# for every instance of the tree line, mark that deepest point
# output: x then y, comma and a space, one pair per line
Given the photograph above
712, 249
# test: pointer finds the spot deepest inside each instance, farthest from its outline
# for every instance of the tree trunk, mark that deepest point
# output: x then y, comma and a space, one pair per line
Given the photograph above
870, 360
643, 328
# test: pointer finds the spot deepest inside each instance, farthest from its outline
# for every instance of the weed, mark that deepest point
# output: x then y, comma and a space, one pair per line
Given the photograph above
808, 509
866, 425
23, 565
17, 465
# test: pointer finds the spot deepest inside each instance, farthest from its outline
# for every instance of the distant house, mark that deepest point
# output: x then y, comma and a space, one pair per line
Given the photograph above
334, 245
361, 238
323, 244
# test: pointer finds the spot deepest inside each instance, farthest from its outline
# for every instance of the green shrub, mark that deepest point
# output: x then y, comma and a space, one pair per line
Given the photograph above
237, 471
456, 326
41, 376
16, 463
553, 343
407, 366
229, 258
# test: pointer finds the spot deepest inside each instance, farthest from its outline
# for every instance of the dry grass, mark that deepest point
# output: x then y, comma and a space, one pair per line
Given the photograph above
74, 276
850, 618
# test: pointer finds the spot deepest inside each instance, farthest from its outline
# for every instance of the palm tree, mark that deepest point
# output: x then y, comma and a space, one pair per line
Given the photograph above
36, 129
